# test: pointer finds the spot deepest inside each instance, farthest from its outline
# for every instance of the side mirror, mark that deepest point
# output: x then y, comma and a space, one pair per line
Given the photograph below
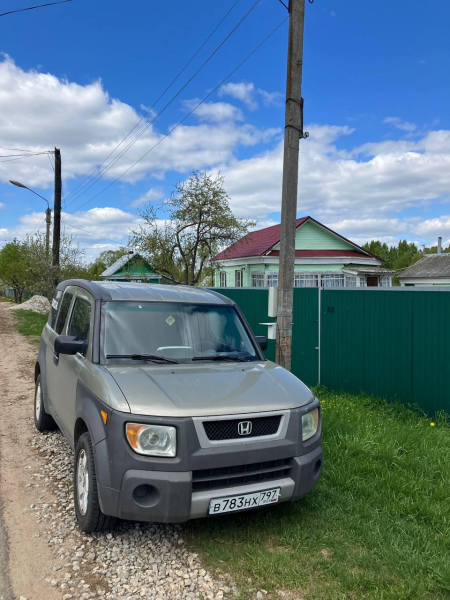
262, 341
68, 344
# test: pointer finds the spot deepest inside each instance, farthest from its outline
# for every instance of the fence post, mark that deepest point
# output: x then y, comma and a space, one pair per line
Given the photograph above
319, 325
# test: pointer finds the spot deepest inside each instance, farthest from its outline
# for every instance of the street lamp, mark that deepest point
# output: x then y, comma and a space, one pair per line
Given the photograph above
48, 212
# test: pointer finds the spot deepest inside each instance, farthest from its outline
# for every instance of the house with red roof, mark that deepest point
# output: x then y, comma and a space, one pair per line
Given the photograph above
323, 258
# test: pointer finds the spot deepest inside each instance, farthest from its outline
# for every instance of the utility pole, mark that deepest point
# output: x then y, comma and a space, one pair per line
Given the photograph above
48, 220
57, 210
293, 132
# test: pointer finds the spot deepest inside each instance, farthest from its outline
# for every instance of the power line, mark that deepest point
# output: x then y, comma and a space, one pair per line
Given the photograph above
189, 114
10, 12
152, 121
93, 234
15, 149
82, 184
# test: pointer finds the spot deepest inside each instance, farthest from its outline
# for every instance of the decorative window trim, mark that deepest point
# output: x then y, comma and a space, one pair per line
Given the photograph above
271, 280
333, 280
306, 280
257, 277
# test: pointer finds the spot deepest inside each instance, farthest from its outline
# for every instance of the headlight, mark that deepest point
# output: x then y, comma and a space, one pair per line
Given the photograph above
152, 440
310, 423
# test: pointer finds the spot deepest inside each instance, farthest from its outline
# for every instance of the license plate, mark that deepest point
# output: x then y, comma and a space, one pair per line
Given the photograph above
243, 502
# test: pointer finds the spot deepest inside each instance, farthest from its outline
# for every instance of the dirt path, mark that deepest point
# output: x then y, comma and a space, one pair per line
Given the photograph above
27, 559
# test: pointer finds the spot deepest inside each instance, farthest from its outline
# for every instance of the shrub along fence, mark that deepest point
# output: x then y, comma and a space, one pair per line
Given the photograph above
392, 342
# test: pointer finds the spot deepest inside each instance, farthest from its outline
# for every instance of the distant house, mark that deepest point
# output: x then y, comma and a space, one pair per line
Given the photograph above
432, 269
131, 267
323, 258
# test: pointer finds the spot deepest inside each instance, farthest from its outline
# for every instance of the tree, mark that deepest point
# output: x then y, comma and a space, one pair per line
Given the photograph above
103, 261
14, 268
199, 224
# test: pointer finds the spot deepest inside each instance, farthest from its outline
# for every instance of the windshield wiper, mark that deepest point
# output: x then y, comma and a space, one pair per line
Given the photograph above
221, 357
152, 357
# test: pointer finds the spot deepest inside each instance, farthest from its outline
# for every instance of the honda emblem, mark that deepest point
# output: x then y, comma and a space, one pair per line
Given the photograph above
245, 427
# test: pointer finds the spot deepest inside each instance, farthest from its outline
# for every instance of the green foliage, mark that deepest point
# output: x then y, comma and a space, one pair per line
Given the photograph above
397, 257
30, 324
14, 271
106, 258
199, 223
377, 526
27, 267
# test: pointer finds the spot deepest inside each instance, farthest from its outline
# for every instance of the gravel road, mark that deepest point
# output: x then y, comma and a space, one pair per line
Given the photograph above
49, 558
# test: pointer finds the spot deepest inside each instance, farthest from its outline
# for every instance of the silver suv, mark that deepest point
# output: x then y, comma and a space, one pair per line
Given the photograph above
171, 408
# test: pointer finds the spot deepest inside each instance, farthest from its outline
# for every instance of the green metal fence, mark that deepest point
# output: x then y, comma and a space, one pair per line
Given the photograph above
393, 343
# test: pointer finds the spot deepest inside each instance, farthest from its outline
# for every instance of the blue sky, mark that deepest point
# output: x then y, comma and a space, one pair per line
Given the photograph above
376, 84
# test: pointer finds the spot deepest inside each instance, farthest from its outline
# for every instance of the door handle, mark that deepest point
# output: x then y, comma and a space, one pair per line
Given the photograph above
55, 358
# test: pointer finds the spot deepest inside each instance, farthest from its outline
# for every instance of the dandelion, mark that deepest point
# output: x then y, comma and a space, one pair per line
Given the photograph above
431, 424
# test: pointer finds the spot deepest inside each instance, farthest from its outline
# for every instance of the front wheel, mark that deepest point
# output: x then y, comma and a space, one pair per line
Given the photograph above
87, 507
42, 420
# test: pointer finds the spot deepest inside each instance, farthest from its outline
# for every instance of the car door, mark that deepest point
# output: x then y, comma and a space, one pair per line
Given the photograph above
65, 368
52, 361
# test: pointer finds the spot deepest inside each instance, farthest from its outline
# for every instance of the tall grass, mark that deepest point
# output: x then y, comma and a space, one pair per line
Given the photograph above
377, 525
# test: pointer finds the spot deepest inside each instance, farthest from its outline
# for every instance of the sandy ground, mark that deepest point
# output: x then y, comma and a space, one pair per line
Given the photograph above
24, 554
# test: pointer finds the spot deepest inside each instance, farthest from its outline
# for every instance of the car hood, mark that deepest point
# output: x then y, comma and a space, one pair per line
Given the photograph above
210, 389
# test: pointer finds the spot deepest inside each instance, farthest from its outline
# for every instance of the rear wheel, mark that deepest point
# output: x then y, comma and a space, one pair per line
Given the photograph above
42, 420
87, 507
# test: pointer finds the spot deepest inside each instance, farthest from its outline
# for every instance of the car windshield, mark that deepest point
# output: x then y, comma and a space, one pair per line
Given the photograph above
180, 332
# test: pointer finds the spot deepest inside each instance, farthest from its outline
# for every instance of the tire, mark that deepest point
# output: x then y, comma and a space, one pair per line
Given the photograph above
87, 507
42, 420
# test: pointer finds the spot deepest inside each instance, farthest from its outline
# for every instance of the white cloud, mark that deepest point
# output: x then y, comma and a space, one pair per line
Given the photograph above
400, 124
333, 13
271, 98
38, 110
433, 228
215, 112
245, 92
336, 185
150, 196
2, 205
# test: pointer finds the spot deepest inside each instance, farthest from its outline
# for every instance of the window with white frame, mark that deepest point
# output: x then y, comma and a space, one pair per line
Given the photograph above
333, 280
238, 278
385, 281
272, 280
223, 279
350, 281
258, 280
362, 281
305, 280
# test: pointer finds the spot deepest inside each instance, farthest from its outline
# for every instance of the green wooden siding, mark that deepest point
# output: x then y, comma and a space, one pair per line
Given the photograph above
392, 343
264, 268
311, 236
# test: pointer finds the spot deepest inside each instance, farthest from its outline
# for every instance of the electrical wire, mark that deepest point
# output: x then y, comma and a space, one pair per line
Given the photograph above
152, 121
93, 234
188, 115
10, 12
15, 149
82, 184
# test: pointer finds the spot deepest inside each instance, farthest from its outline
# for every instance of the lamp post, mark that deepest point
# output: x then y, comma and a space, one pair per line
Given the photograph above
48, 212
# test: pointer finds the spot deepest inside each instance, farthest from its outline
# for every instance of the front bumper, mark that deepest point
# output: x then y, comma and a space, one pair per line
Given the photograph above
167, 496
174, 490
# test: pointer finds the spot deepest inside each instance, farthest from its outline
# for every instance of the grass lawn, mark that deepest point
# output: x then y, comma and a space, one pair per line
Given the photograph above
30, 324
377, 525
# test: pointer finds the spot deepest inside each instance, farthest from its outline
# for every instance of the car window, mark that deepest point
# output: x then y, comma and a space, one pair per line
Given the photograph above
63, 312
81, 320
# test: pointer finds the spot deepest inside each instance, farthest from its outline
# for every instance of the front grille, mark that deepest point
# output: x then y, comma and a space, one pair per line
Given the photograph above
207, 479
228, 429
